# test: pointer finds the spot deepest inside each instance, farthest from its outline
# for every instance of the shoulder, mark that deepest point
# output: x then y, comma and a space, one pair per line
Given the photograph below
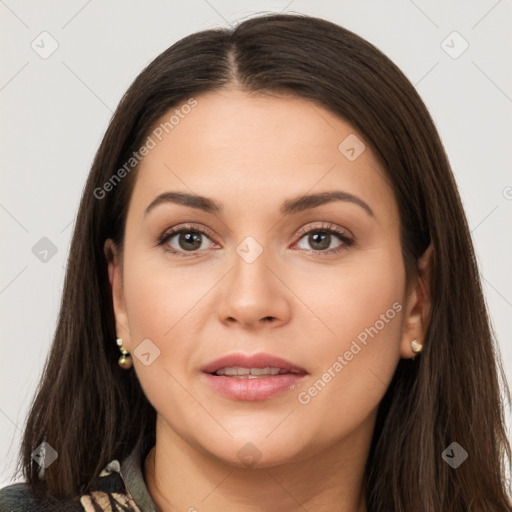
108, 492
17, 498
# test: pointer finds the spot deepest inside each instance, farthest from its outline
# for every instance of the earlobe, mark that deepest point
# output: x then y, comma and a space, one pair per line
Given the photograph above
418, 308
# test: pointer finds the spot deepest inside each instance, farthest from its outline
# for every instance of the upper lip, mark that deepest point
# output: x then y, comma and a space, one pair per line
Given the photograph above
260, 360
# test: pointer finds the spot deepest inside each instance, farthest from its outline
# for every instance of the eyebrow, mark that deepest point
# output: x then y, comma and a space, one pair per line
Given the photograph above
290, 206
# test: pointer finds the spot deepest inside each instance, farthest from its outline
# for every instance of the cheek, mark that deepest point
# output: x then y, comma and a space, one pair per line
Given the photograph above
345, 299
162, 304
160, 296
360, 317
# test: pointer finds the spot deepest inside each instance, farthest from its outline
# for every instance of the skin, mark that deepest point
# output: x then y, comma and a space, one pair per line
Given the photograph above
250, 152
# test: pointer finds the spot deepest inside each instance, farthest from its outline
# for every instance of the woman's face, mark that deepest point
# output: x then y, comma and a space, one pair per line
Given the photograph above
270, 271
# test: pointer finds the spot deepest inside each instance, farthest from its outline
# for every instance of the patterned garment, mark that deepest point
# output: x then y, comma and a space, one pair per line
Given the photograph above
109, 493
118, 488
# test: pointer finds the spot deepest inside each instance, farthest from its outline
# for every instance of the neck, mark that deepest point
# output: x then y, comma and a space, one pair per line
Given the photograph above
180, 477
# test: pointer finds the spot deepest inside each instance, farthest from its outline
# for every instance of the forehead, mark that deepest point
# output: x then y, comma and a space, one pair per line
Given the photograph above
238, 146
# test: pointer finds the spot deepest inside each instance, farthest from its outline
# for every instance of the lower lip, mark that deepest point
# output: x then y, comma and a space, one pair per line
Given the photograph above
253, 389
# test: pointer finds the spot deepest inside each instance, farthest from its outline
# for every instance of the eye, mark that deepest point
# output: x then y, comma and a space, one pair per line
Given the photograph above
184, 239
320, 239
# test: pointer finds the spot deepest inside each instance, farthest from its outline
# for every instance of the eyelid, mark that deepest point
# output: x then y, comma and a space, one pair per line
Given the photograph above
327, 226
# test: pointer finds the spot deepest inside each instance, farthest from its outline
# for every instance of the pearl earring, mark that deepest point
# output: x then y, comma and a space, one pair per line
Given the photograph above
416, 347
125, 360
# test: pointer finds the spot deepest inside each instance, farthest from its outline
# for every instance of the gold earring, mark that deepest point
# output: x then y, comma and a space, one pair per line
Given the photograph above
416, 347
125, 360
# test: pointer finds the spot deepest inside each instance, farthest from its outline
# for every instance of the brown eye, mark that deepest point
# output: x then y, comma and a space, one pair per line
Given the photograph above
320, 240
185, 239
189, 241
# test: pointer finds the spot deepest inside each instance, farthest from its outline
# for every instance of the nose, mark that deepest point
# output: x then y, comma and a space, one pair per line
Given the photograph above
254, 294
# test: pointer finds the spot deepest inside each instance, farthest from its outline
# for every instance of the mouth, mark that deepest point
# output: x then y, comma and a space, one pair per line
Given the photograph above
252, 377
238, 372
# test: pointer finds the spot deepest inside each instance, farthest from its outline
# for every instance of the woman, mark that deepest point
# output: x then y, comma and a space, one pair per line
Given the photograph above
272, 301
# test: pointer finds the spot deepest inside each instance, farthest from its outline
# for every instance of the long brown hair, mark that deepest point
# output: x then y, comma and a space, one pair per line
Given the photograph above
91, 411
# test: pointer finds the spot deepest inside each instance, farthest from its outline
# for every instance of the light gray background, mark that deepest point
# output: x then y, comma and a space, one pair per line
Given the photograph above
55, 111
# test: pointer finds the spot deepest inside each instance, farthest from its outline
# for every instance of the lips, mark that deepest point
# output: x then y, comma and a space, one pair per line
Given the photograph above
255, 361
255, 377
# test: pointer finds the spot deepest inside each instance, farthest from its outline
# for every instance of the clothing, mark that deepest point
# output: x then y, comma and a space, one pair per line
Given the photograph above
119, 488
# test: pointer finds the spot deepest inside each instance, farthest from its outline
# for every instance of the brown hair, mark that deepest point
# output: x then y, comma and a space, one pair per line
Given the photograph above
450, 393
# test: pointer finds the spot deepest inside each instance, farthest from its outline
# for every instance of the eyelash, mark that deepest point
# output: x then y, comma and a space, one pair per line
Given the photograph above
324, 228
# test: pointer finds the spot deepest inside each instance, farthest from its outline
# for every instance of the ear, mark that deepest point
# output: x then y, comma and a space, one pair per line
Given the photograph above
418, 305
115, 276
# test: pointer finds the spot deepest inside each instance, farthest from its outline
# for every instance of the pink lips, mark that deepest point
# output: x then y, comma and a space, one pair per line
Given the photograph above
256, 388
